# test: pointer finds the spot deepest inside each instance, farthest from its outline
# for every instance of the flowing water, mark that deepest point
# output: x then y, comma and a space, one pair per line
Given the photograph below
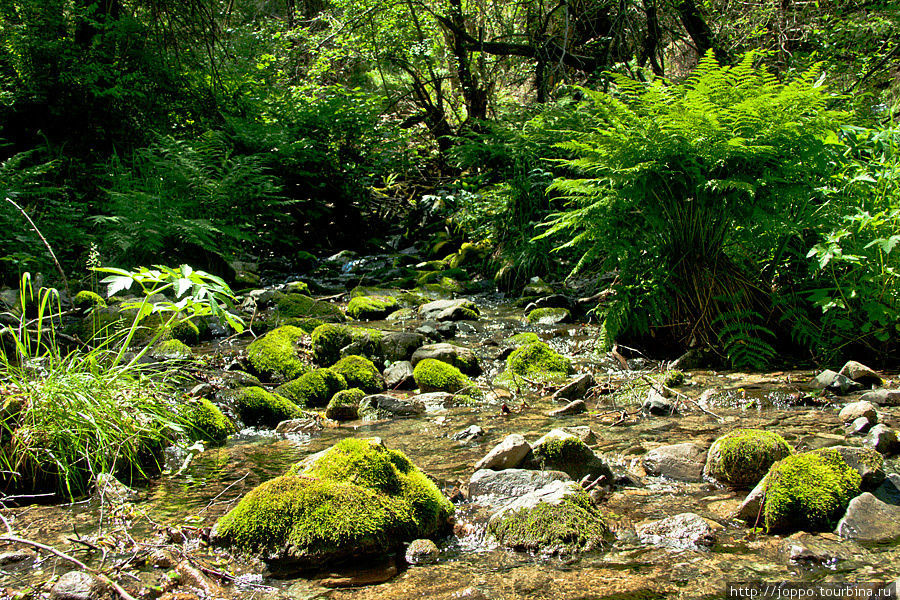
470, 566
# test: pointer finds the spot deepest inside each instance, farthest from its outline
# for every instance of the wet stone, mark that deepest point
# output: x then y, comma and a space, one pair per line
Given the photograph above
399, 376
575, 407
496, 488
684, 531
825, 550
884, 440
853, 411
306, 426
861, 374
883, 397
869, 520
469, 434
508, 454
657, 404
77, 585
15, 556
859, 427
422, 552
576, 389
380, 406
683, 462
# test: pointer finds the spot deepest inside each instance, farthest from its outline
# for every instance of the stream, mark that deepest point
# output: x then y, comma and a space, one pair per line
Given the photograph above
470, 566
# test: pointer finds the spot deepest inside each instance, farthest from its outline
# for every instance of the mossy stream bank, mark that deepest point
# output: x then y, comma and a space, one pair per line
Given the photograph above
177, 510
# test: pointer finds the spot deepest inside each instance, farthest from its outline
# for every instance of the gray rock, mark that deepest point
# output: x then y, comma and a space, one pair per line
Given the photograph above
308, 425
657, 404
497, 488
380, 406
508, 454
889, 490
15, 556
576, 407
582, 432
553, 494
447, 330
883, 439
865, 461
461, 358
685, 531
882, 397
400, 345
399, 376
818, 441
576, 389
436, 401
750, 510
577, 462
429, 331
868, 520
859, 427
855, 410
809, 550
683, 462
834, 382
422, 552
77, 585
448, 310
470, 434
860, 373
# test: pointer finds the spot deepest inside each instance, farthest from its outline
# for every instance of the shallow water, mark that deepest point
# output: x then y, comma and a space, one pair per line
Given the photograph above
470, 567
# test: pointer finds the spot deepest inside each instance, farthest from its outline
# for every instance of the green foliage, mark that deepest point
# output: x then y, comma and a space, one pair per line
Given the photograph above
684, 190
359, 372
809, 491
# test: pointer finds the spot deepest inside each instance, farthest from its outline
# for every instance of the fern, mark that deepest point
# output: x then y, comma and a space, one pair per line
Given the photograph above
746, 342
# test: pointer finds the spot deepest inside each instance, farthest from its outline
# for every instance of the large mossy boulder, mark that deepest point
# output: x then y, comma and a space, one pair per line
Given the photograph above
300, 306
809, 491
432, 375
741, 458
258, 407
360, 372
538, 362
205, 421
329, 339
557, 519
371, 308
356, 501
313, 389
563, 451
274, 357
463, 359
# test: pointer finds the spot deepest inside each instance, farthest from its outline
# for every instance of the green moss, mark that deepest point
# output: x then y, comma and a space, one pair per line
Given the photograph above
404, 314
370, 308
88, 299
742, 457
288, 306
273, 357
361, 373
172, 349
296, 287
307, 325
809, 491
521, 339
314, 388
329, 339
433, 375
563, 451
538, 362
573, 525
359, 499
549, 315
185, 331
673, 378
344, 406
444, 287
257, 407
206, 422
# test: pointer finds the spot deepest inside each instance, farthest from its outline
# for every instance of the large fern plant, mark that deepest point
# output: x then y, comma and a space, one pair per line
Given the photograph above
687, 191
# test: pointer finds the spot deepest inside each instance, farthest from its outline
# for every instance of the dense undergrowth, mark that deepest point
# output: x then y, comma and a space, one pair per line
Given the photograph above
746, 200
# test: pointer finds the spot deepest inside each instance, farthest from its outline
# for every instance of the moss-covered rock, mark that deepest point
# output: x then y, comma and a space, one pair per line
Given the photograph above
360, 373
206, 422
257, 407
742, 457
291, 306
549, 316
344, 406
809, 491
433, 375
563, 451
356, 500
314, 388
297, 287
185, 331
172, 349
567, 523
371, 308
88, 299
538, 362
273, 357
329, 339
520, 339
